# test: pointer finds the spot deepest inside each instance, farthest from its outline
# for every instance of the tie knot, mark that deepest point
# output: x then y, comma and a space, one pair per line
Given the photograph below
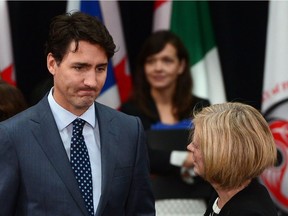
78, 125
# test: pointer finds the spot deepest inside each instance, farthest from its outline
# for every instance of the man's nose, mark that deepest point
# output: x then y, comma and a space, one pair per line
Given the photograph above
91, 79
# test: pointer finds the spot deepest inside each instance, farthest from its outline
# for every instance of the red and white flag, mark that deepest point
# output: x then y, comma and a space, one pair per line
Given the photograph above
275, 99
6, 58
118, 84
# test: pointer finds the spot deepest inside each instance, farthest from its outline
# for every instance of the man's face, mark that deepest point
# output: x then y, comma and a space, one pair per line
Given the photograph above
79, 78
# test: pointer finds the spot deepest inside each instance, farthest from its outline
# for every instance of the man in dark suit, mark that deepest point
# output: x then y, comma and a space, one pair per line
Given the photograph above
40, 173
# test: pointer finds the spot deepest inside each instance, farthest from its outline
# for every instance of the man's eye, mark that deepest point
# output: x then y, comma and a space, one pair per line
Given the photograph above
101, 69
77, 68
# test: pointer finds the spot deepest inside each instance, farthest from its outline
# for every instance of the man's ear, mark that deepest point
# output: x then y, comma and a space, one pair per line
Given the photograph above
51, 63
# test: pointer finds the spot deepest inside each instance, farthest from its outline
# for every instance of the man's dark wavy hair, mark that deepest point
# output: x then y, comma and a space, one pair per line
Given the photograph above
76, 27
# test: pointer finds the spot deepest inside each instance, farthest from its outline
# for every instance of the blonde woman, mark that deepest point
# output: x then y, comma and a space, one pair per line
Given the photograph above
231, 146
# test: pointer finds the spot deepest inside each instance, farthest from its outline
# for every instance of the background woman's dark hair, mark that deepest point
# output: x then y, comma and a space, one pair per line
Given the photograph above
75, 27
182, 100
12, 101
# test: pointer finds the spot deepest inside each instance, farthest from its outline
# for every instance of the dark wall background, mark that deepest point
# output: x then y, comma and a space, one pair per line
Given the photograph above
239, 26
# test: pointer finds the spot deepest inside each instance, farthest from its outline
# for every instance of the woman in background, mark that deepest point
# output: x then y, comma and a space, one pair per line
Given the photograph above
12, 100
162, 98
163, 84
231, 146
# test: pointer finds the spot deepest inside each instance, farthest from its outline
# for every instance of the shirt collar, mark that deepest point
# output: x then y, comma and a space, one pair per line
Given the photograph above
63, 117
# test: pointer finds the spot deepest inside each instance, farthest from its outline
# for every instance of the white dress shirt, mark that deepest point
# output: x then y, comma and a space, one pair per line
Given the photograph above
91, 135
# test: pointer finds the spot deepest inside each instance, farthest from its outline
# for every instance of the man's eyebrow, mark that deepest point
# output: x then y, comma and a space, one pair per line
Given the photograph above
81, 64
102, 65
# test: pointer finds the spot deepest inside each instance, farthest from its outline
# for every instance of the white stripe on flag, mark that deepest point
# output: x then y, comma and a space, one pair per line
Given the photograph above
5, 39
112, 20
73, 5
110, 97
6, 57
202, 81
275, 87
162, 16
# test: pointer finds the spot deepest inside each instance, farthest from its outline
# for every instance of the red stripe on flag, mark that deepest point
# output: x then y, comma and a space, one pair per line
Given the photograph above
274, 177
7, 75
158, 4
123, 80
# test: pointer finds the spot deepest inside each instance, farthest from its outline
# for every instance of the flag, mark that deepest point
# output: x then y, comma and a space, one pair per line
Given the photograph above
275, 99
190, 20
6, 60
118, 84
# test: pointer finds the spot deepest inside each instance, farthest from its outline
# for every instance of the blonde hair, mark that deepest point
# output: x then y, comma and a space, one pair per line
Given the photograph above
235, 141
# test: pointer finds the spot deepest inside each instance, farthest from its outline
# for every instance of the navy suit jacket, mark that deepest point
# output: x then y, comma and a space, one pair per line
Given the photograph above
36, 176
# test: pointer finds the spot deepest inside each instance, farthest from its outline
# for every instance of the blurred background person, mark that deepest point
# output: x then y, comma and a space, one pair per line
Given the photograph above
162, 84
163, 100
12, 100
232, 145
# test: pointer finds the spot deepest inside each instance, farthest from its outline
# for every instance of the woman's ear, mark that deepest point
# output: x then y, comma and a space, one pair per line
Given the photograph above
182, 66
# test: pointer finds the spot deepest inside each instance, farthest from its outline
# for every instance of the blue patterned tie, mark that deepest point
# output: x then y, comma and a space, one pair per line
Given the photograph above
79, 159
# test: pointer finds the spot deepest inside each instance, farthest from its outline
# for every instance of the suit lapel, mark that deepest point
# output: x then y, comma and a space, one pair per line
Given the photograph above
108, 139
46, 132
